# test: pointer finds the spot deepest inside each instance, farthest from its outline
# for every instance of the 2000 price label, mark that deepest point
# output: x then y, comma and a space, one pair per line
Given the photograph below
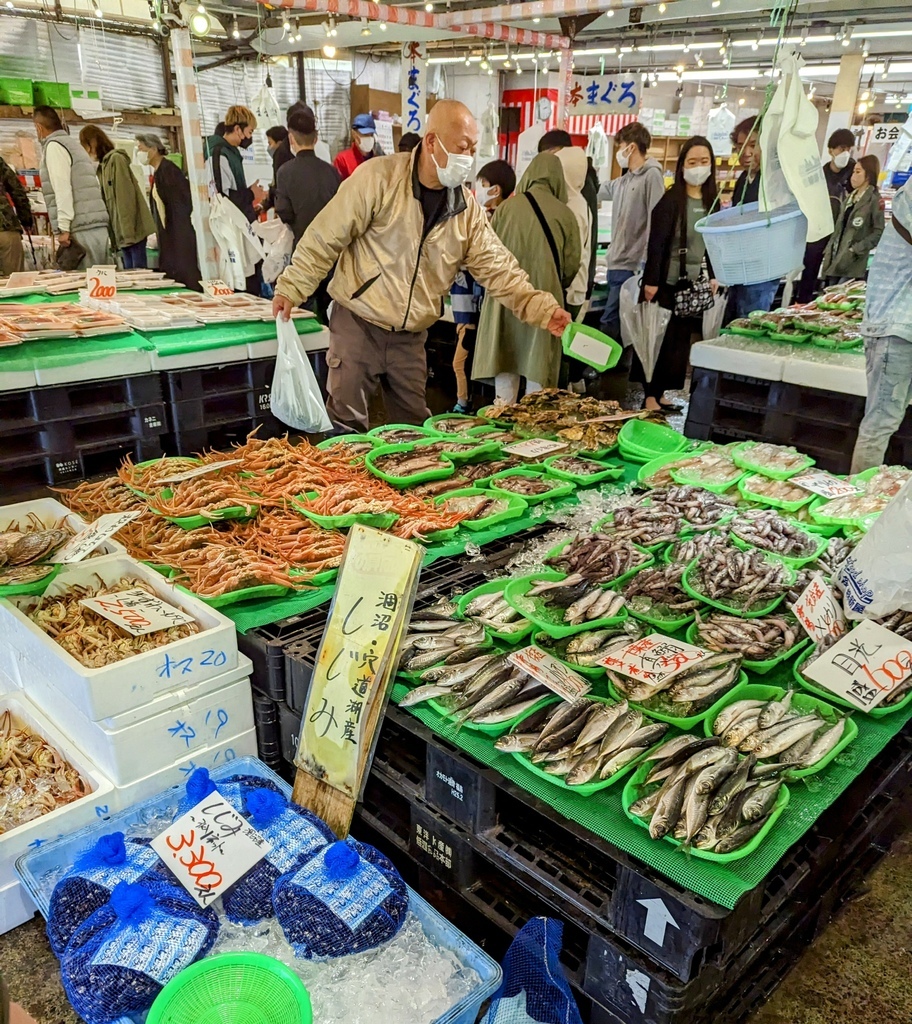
101, 282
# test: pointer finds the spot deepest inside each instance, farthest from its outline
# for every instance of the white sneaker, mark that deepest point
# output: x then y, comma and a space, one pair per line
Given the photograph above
578, 386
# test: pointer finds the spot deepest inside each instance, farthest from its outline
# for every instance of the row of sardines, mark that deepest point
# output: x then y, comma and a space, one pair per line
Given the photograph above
705, 754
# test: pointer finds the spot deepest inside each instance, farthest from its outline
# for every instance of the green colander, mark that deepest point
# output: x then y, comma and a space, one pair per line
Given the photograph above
233, 988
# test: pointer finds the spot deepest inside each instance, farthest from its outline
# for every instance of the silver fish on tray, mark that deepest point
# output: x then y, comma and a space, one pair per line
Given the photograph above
581, 600
754, 639
686, 692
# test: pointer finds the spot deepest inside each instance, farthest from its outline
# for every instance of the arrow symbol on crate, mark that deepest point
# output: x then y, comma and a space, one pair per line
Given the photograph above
638, 982
657, 920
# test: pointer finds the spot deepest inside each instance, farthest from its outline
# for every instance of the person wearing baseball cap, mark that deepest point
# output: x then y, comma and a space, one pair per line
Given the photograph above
363, 135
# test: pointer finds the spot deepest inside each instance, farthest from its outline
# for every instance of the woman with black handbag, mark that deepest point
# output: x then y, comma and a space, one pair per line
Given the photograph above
678, 274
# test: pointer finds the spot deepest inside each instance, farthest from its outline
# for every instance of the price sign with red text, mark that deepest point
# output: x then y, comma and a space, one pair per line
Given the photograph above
137, 611
825, 485
217, 288
654, 658
209, 848
865, 666
819, 612
101, 282
548, 670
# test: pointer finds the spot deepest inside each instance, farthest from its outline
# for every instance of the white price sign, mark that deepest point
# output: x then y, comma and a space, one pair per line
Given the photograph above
85, 542
549, 671
217, 287
654, 658
534, 448
101, 282
137, 611
825, 485
865, 666
189, 474
209, 848
22, 279
819, 612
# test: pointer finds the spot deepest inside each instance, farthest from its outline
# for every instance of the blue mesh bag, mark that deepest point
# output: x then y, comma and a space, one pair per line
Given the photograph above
199, 785
534, 989
294, 834
87, 886
347, 898
118, 961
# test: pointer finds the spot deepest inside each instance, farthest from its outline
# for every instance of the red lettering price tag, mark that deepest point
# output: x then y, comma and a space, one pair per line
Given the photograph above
217, 288
101, 282
819, 612
548, 670
654, 658
137, 611
825, 485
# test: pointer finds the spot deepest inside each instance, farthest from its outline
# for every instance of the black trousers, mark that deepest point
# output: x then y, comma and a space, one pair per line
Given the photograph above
813, 256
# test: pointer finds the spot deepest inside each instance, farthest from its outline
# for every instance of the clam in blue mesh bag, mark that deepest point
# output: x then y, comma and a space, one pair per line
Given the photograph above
118, 960
87, 886
347, 898
199, 785
294, 834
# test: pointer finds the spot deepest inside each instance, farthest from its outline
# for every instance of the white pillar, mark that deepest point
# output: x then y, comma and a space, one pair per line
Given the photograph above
845, 93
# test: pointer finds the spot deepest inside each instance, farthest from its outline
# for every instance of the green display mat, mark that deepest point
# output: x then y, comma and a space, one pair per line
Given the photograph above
36, 299
200, 339
36, 355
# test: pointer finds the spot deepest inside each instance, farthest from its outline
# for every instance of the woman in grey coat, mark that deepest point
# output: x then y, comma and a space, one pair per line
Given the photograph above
858, 227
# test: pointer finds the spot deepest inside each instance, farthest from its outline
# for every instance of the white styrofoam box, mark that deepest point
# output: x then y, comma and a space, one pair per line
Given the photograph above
16, 906
752, 357
131, 752
17, 380
830, 371
209, 357
28, 651
118, 364
62, 820
315, 341
176, 774
50, 511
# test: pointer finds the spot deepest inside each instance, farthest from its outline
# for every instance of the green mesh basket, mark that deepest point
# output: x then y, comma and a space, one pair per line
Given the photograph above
234, 988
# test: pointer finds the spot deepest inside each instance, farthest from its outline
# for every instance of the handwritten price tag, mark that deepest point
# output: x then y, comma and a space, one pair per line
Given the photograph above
534, 448
654, 658
824, 484
189, 474
217, 288
85, 542
137, 611
548, 670
819, 612
209, 848
101, 282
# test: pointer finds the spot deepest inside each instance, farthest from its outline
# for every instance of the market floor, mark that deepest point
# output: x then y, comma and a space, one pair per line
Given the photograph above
857, 970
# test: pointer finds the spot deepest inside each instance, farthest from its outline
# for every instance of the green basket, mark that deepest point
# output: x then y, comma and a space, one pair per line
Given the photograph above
819, 515
651, 468
233, 988
457, 417
646, 438
833, 698
560, 488
604, 525
478, 453
630, 795
599, 472
237, 596
52, 94
550, 620
489, 413
182, 459
589, 671
759, 668
217, 516
662, 623
795, 563
486, 431
491, 730
517, 506
681, 476
374, 442
497, 586
446, 469
741, 457
734, 609
17, 92
803, 703
745, 332
423, 431
625, 576
378, 520
744, 485
656, 710
30, 589
794, 339
590, 346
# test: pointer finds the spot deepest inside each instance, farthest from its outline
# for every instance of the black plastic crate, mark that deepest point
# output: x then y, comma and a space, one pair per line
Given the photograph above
266, 723
104, 458
815, 405
202, 381
265, 647
224, 435
300, 657
97, 397
90, 432
21, 446
17, 411
212, 410
289, 731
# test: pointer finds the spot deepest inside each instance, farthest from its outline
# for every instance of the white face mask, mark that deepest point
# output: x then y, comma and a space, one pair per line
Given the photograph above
623, 157
485, 195
457, 170
696, 175
142, 158
842, 159
366, 143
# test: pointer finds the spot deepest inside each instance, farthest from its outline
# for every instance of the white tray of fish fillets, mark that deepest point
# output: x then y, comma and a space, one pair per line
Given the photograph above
135, 679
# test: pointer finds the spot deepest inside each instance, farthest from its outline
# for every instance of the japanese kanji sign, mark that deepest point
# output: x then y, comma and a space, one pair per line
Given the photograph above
137, 611
825, 484
356, 660
414, 87
654, 658
548, 670
209, 848
819, 612
85, 542
865, 666
604, 94
886, 131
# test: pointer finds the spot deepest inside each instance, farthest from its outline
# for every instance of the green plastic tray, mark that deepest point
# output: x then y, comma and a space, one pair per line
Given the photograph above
841, 307
625, 576
631, 794
760, 668
681, 476
196, 522
827, 342
633, 455
833, 698
794, 339
447, 468
489, 413
482, 448
590, 787
496, 586
665, 625
684, 721
560, 488
330, 442
608, 521
745, 332
590, 346
795, 563
378, 520
653, 466
491, 730
741, 457
541, 615
518, 506
469, 421
732, 609
787, 506
589, 671
424, 431
33, 588
803, 703
237, 596
598, 475
486, 431
809, 526
319, 579
818, 514
818, 328
653, 439
183, 459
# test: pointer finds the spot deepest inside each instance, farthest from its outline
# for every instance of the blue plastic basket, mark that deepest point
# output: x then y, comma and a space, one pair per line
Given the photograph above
36, 868
747, 246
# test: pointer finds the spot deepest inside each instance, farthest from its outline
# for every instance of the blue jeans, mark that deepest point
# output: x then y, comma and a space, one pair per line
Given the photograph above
888, 367
611, 318
134, 256
745, 298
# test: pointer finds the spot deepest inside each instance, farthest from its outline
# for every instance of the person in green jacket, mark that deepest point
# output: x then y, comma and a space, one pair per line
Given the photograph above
131, 218
507, 348
859, 225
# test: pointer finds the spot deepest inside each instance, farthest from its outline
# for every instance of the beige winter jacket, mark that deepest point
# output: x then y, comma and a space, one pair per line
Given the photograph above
387, 273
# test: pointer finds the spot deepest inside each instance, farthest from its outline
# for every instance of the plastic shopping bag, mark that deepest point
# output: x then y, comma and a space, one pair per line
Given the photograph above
534, 989
712, 318
278, 243
877, 576
295, 398
643, 325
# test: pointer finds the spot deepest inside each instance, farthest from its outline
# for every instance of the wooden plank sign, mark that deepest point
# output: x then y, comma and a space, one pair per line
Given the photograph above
370, 611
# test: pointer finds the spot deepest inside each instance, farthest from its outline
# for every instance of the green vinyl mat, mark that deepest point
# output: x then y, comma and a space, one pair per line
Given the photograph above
56, 352
603, 814
208, 336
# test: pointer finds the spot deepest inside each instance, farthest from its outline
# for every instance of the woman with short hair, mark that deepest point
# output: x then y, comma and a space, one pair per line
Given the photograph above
858, 228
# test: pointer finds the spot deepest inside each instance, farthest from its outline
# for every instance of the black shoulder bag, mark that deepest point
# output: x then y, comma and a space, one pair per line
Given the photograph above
691, 298
552, 245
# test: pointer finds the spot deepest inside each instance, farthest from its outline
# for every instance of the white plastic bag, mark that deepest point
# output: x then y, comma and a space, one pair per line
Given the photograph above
877, 576
643, 325
774, 189
712, 318
295, 398
278, 244
239, 248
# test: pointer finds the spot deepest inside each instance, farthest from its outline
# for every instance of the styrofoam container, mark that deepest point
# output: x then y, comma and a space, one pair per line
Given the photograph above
843, 372
96, 804
208, 357
119, 364
224, 751
16, 906
50, 511
751, 356
134, 681
17, 380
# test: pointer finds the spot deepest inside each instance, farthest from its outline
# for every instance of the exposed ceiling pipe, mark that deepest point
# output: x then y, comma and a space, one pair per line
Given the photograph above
538, 9
422, 19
